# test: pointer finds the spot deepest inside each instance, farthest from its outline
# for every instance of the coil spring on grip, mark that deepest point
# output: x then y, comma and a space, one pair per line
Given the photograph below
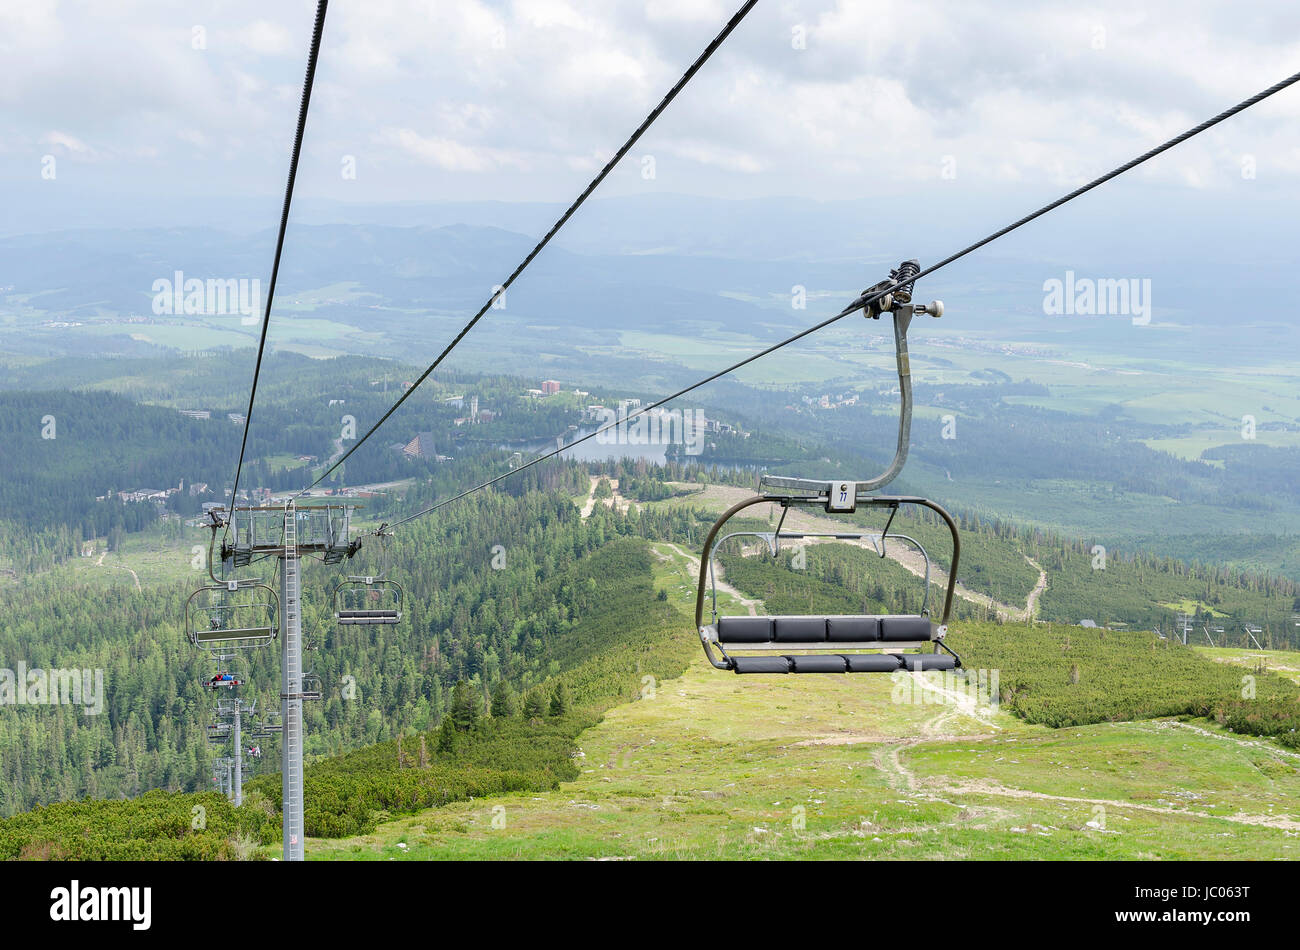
903, 272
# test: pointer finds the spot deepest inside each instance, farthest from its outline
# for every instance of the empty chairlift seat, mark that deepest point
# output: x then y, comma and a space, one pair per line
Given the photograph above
825, 644
838, 643
368, 600
350, 616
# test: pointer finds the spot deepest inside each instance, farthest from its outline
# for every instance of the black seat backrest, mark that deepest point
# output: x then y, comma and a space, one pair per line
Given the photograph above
799, 629
744, 629
835, 629
852, 629
904, 628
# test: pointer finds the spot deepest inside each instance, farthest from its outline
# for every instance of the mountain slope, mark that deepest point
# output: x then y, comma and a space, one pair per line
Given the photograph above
717, 766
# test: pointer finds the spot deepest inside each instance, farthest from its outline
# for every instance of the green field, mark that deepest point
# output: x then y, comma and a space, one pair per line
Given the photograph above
718, 766
1284, 663
155, 558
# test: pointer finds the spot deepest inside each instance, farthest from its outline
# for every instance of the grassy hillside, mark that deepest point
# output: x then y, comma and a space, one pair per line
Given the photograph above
716, 766
1069, 676
711, 765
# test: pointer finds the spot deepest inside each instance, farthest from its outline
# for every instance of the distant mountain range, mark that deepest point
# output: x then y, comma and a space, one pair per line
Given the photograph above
671, 263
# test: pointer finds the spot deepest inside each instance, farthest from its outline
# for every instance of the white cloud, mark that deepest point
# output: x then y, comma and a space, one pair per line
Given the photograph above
521, 98
69, 145
728, 159
272, 39
450, 155
691, 11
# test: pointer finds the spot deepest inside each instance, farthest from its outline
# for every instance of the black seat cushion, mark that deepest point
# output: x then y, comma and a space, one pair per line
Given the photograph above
904, 628
873, 662
744, 629
760, 664
800, 629
852, 629
825, 663
919, 662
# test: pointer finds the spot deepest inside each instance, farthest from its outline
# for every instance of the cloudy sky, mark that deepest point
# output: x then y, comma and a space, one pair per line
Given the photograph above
152, 101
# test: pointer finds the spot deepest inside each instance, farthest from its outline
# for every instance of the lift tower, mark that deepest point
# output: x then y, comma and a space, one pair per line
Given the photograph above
230, 715
288, 532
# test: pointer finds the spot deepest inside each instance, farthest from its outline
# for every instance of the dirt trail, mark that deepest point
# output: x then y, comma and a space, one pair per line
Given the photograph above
590, 505
1236, 740
750, 604
986, 787
135, 577
889, 759
958, 704
1031, 603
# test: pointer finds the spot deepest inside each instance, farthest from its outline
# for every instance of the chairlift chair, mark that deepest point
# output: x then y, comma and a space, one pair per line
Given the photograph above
267, 725
311, 686
353, 594
827, 643
370, 599
235, 615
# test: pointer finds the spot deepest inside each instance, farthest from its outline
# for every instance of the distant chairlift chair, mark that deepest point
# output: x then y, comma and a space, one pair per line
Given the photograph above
311, 689
372, 599
353, 595
825, 643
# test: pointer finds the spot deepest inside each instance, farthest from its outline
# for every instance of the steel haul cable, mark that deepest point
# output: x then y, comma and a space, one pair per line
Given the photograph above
279, 241
866, 299
563, 219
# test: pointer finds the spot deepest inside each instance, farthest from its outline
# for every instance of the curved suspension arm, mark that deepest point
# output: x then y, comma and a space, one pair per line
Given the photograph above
211, 542
902, 315
902, 319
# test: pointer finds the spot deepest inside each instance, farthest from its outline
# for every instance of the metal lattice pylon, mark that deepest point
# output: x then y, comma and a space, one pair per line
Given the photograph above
291, 691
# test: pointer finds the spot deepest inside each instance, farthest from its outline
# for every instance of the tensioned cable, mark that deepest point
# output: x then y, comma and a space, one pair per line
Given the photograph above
279, 241
868, 298
501, 289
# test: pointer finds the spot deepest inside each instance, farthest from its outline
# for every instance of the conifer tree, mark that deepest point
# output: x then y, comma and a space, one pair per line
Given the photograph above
535, 705
503, 700
447, 736
464, 707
